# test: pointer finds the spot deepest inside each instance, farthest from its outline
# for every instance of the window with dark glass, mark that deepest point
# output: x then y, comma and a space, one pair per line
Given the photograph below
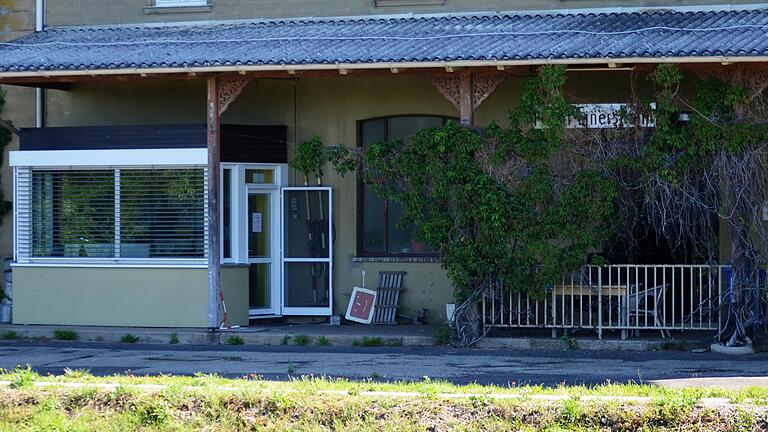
379, 233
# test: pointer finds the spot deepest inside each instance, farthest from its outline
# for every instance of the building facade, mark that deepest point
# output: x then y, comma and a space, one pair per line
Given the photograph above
142, 101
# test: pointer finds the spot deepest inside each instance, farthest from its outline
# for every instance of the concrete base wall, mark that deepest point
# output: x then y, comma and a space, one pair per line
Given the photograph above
142, 297
234, 286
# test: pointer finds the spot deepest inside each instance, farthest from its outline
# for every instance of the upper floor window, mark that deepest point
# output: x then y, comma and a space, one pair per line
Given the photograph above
172, 3
378, 230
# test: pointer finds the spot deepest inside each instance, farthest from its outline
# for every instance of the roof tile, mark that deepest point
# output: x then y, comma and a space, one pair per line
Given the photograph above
393, 39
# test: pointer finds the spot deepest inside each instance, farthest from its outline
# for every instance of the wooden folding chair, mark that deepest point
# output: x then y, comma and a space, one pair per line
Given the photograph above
388, 297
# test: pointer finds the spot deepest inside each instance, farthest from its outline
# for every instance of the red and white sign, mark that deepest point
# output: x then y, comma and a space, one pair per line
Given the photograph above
361, 305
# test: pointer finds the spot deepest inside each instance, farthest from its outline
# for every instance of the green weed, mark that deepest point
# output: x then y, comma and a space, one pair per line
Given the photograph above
66, 335
77, 374
302, 340
442, 334
129, 338
570, 342
235, 340
366, 341
23, 377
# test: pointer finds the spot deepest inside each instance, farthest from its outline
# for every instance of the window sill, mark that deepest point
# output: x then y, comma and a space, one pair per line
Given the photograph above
191, 264
392, 3
396, 259
156, 10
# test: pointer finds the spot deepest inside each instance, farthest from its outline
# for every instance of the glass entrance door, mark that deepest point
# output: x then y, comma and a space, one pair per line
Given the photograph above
264, 280
307, 251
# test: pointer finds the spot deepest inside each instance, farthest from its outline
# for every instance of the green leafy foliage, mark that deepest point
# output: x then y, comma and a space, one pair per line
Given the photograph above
23, 377
313, 155
501, 203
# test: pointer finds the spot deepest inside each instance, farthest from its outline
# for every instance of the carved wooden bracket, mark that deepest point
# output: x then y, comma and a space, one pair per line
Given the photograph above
466, 91
448, 86
483, 85
229, 90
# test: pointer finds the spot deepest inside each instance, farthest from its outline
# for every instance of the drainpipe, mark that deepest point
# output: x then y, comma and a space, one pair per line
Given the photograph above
39, 92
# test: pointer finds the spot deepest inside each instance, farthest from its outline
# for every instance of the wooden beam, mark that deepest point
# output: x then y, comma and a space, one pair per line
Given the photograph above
214, 164
53, 86
466, 108
38, 81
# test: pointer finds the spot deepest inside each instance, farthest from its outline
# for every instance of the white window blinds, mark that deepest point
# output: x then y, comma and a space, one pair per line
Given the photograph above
125, 213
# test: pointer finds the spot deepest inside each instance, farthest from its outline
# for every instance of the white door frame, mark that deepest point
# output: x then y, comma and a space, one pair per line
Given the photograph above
238, 195
310, 311
275, 267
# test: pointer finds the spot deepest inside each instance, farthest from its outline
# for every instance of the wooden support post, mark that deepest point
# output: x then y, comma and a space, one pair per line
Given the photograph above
214, 164
466, 108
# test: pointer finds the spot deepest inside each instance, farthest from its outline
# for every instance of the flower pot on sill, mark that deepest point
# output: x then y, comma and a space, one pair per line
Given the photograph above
418, 247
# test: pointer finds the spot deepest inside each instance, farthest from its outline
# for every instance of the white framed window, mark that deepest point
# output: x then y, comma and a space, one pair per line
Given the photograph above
116, 215
179, 3
236, 178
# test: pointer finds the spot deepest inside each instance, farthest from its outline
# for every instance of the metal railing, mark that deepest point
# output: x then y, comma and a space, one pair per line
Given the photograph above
616, 297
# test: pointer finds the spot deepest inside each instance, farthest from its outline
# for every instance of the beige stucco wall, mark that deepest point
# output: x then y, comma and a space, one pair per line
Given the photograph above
329, 107
326, 106
234, 287
89, 12
144, 297
17, 18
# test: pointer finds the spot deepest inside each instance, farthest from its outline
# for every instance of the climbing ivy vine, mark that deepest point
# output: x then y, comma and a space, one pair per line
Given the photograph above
705, 169
518, 204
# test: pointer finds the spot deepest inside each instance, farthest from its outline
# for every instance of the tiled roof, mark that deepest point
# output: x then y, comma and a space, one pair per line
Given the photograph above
396, 39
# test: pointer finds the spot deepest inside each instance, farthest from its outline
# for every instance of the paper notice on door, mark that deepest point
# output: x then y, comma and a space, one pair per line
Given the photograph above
256, 222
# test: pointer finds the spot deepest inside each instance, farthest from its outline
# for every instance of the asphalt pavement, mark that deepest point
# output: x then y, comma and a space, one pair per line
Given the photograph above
460, 366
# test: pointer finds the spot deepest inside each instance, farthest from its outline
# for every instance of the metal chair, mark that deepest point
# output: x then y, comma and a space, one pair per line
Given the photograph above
647, 302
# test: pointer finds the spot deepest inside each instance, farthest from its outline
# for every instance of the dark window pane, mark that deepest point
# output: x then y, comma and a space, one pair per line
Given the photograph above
258, 286
399, 239
307, 284
375, 220
372, 131
306, 224
405, 127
